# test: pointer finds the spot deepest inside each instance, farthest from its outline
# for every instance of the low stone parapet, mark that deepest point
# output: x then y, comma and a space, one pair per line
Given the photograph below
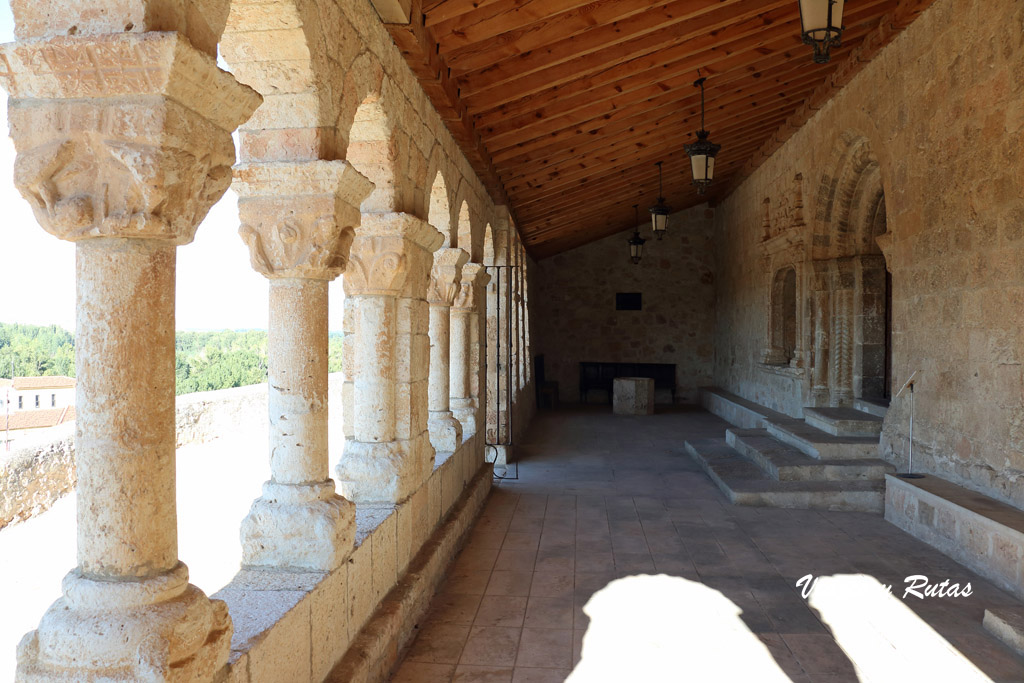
34, 478
979, 532
350, 624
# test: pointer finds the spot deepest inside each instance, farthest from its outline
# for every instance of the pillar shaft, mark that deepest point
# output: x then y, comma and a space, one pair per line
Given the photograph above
375, 383
126, 167
440, 349
388, 453
298, 220
125, 443
460, 354
464, 369
297, 379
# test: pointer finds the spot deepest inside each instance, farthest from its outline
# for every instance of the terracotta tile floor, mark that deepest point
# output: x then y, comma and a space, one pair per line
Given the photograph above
612, 558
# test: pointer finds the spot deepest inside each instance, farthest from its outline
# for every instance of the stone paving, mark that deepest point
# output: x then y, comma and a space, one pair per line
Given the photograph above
611, 557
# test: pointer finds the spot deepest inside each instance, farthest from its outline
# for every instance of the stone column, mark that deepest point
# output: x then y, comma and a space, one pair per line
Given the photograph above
821, 331
387, 452
445, 279
844, 280
464, 357
298, 220
124, 143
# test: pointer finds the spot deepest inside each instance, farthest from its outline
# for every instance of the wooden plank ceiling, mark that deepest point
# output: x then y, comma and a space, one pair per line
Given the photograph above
564, 106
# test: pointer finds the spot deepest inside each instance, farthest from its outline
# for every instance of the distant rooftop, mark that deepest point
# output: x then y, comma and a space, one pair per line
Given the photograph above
51, 382
38, 419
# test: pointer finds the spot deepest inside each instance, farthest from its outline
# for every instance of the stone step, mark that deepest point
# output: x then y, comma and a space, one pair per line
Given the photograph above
736, 409
744, 483
843, 421
821, 445
782, 462
875, 406
1007, 624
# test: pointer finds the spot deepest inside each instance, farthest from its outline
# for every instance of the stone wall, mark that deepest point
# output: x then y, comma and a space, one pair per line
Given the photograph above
32, 479
574, 296
943, 131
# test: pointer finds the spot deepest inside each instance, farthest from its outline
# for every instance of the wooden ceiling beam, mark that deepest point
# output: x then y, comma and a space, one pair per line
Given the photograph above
551, 30
738, 67
513, 100
543, 148
504, 81
736, 101
494, 20
638, 176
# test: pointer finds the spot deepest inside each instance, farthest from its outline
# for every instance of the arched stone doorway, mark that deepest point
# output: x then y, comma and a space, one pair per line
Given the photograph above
851, 287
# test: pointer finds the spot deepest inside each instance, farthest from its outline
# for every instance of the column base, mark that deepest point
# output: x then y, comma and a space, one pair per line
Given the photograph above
158, 629
384, 472
445, 431
465, 410
304, 526
499, 455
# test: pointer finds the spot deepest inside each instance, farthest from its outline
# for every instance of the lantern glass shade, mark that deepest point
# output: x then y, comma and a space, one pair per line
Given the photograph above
659, 218
703, 167
636, 247
702, 160
821, 24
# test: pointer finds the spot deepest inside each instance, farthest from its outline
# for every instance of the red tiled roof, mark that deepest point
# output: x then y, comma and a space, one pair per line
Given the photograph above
52, 382
38, 419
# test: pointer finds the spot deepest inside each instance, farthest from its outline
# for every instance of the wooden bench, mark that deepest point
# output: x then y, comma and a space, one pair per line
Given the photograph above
600, 376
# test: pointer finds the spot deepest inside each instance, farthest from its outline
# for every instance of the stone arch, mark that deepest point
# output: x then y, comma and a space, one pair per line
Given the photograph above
488, 251
370, 138
281, 52
465, 231
439, 212
371, 151
853, 320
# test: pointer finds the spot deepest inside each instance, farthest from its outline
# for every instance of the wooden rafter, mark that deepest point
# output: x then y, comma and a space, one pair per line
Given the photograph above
563, 106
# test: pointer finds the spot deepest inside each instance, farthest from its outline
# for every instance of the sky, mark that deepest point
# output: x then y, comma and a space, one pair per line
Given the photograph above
216, 287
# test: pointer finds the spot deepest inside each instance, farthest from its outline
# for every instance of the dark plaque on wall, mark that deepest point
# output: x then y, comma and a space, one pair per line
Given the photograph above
627, 301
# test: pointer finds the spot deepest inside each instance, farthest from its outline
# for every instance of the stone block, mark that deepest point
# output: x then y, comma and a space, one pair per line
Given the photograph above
633, 396
329, 614
360, 586
272, 628
385, 549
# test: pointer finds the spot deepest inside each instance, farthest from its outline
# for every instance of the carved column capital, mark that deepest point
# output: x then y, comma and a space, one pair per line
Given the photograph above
446, 276
384, 251
151, 166
474, 278
298, 218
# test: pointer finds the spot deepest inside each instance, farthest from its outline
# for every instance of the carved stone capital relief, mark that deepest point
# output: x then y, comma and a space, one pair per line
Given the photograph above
446, 276
474, 278
377, 266
387, 248
121, 136
298, 219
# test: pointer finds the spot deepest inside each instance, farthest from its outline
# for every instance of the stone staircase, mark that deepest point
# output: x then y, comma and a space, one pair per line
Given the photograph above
827, 461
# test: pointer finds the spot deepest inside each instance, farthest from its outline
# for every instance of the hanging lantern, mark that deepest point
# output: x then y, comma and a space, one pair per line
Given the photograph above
636, 242
660, 211
702, 153
821, 26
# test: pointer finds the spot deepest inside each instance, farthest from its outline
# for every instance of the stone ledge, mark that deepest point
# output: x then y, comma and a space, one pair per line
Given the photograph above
979, 532
301, 625
736, 409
